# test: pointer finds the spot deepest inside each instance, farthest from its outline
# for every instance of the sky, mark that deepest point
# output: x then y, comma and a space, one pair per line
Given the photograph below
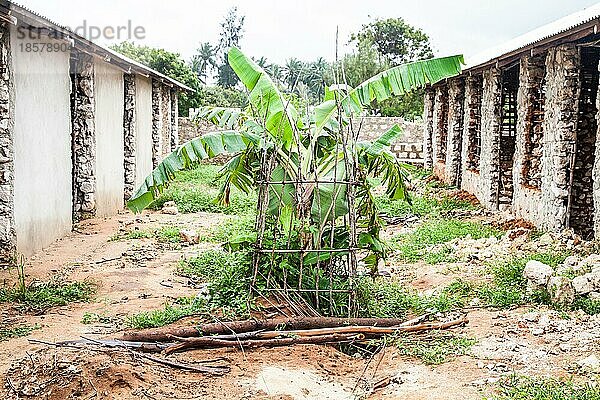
279, 30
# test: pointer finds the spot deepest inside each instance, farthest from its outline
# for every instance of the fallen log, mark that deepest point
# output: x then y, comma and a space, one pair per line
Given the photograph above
212, 342
220, 328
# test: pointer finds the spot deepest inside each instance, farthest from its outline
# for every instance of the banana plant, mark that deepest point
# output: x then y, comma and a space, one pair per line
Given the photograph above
317, 148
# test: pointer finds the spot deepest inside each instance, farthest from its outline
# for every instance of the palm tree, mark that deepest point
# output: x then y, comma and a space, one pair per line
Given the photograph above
293, 72
204, 61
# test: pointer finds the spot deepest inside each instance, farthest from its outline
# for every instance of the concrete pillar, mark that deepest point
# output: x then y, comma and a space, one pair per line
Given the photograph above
491, 116
129, 136
84, 136
456, 95
8, 237
157, 122
428, 128
560, 125
174, 119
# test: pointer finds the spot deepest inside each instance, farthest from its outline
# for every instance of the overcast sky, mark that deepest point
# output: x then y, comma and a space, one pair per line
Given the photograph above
306, 29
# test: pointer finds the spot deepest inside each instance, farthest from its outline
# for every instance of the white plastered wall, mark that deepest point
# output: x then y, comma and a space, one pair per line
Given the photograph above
42, 144
143, 127
109, 98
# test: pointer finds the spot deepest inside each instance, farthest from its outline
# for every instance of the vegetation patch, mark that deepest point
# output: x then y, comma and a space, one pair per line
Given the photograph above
196, 190
10, 332
182, 307
434, 349
40, 296
421, 206
525, 388
419, 244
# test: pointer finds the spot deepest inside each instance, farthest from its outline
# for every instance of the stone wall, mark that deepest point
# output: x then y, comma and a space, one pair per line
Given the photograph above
408, 148
174, 136
440, 125
491, 114
8, 238
527, 197
456, 96
471, 146
129, 133
157, 122
428, 128
562, 87
84, 136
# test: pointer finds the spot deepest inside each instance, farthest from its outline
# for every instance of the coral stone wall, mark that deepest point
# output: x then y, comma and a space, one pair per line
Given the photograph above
409, 147
529, 144
428, 128
456, 100
560, 120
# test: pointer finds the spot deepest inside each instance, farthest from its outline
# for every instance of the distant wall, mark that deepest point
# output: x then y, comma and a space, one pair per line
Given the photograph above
408, 148
109, 138
42, 144
143, 127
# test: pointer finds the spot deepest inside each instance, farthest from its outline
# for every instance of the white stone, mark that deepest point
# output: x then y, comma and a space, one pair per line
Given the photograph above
561, 290
545, 239
590, 364
170, 210
588, 264
594, 296
537, 273
189, 236
582, 284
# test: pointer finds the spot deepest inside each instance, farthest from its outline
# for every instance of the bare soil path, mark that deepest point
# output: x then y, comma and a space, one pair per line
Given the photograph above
136, 275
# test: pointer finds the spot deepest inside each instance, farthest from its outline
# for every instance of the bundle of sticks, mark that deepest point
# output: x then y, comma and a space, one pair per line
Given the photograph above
275, 332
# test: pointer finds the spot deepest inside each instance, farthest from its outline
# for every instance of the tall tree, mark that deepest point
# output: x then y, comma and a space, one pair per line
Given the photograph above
232, 31
395, 40
204, 61
167, 63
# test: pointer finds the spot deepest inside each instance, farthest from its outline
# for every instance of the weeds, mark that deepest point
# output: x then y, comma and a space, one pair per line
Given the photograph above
93, 318
526, 388
41, 296
421, 206
16, 331
434, 349
183, 307
416, 245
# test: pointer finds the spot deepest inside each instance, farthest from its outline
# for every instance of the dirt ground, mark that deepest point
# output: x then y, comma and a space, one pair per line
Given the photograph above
136, 275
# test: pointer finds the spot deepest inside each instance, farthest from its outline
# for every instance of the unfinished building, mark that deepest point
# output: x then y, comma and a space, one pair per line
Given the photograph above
518, 127
80, 126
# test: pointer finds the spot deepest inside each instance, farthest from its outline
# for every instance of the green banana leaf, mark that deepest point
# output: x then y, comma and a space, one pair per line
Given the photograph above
187, 156
395, 81
280, 117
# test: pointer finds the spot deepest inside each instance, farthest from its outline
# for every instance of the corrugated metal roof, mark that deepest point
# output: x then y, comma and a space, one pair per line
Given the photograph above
529, 39
19, 11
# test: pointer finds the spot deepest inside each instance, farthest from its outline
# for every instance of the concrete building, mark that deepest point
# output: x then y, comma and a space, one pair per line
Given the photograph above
80, 127
518, 128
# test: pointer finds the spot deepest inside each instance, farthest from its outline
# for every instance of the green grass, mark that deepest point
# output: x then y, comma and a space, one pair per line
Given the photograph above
7, 333
434, 349
182, 307
41, 296
168, 234
197, 189
416, 245
385, 298
526, 388
232, 228
421, 206
92, 318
